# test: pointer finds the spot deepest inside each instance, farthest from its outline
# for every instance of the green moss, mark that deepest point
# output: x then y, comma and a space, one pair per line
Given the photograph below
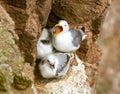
2, 82
51, 92
21, 83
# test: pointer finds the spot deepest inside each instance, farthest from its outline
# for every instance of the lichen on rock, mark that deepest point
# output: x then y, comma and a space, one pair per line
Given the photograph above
11, 60
21, 83
2, 82
7, 76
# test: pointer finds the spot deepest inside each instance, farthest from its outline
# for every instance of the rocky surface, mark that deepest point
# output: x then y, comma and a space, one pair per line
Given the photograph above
12, 68
21, 22
108, 81
77, 11
29, 19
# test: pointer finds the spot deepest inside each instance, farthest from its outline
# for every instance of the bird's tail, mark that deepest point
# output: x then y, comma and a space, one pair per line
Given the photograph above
71, 55
83, 34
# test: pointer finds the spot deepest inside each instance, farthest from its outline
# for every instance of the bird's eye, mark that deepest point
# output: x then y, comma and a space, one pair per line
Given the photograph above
52, 66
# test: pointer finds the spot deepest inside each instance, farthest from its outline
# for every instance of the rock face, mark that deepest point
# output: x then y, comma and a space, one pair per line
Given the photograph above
21, 22
29, 17
108, 81
78, 11
11, 60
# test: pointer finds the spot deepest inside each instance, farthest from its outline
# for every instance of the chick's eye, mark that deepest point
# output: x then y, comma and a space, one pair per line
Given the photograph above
65, 25
52, 66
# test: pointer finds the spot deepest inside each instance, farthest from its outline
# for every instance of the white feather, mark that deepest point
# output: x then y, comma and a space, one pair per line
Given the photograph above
64, 40
54, 59
44, 49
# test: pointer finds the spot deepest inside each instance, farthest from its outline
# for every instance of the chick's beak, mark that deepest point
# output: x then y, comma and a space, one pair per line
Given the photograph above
58, 29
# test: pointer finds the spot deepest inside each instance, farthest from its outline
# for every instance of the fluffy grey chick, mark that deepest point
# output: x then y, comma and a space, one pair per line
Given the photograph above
55, 65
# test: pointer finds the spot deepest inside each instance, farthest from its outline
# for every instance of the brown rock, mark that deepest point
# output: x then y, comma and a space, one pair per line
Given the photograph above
78, 11
91, 72
17, 3
29, 17
108, 81
43, 9
52, 20
11, 60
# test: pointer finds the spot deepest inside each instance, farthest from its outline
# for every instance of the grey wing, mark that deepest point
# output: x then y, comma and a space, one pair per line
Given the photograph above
77, 37
63, 64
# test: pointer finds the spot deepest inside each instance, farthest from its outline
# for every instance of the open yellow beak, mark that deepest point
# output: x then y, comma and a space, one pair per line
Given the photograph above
58, 29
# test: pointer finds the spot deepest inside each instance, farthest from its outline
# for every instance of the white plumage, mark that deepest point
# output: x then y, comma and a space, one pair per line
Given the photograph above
65, 39
55, 65
44, 45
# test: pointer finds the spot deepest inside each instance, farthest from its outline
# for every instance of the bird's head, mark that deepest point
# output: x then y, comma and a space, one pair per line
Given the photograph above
51, 62
47, 69
62, 26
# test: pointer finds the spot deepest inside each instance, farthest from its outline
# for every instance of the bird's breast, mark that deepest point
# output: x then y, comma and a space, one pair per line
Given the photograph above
63, 42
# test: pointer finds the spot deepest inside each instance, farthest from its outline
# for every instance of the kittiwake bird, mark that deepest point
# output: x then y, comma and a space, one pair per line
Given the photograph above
55, 65
65, 39
44, 44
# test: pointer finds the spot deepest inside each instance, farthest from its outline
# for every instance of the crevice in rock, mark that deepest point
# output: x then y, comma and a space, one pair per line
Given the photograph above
17, 3
52, 20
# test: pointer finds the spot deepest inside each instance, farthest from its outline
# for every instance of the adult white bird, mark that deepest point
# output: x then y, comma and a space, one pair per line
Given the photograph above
55, 65
65, 39
44, 44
